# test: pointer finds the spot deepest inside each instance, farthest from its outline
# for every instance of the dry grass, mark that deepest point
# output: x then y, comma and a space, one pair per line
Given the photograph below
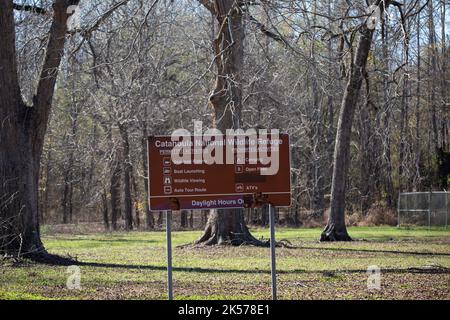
415, 264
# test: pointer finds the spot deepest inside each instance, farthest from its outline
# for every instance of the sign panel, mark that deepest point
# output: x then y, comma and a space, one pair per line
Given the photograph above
194, 184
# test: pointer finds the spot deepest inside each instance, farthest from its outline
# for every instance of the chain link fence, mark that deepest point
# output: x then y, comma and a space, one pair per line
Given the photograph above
423, 208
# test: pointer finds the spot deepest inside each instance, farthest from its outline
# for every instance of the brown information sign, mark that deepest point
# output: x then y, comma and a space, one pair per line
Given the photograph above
194, 184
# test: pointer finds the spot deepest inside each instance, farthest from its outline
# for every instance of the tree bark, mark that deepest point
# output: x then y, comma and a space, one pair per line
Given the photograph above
432, 75
65, 202
184, 219
149, 219
105, 210
317, 136
115, 192
191, 219
336, 229
135, 200
22, 134
227, 226
404, 117
45, 202
128, 203
386, 136
365, 154
417, 134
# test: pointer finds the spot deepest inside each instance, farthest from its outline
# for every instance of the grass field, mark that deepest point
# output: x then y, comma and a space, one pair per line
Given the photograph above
415, 264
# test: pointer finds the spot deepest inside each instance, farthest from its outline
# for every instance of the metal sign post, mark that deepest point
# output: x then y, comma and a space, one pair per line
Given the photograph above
273, 270
169, 254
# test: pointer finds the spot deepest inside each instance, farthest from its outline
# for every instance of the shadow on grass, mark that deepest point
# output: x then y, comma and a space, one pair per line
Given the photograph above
146, 241
56, 260
419, 253
330, 273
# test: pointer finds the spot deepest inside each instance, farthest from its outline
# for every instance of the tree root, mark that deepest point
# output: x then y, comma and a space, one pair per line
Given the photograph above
53, 259
41, 257
282, 243
332, 233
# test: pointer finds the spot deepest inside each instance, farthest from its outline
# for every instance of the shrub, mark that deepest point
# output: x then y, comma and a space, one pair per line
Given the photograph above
379, 214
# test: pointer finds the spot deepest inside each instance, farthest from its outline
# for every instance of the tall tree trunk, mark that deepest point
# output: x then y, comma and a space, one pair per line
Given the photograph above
404, 115
135, 200
160, 218
336, 229
105, 209
432, 75
191, 219
115, 192
65, 198
204, 217
386, 135
317, 134
417, 137
149, 219
444, 64
365, 155
71, 144
128, 203
22, 134
48, 177
183, 218
330, 103
227, 226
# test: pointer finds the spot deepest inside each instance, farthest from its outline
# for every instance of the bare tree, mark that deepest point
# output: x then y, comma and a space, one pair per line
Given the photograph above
336, 229
23, 131
227, 226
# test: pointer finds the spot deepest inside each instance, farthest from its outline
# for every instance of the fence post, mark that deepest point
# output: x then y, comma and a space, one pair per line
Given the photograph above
429, 210
446, 209
398, 210
406, 203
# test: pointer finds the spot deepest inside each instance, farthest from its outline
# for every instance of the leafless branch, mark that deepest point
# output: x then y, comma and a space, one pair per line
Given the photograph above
30, 8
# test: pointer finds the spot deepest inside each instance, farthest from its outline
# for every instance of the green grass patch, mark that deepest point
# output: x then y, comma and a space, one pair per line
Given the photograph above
133, 266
